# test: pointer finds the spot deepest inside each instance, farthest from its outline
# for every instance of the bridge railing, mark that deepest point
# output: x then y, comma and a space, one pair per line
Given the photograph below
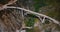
42, 17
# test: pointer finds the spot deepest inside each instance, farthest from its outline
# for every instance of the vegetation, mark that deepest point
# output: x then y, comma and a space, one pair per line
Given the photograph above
48, 7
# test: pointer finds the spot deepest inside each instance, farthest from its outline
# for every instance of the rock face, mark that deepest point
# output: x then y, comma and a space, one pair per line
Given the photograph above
10, 20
